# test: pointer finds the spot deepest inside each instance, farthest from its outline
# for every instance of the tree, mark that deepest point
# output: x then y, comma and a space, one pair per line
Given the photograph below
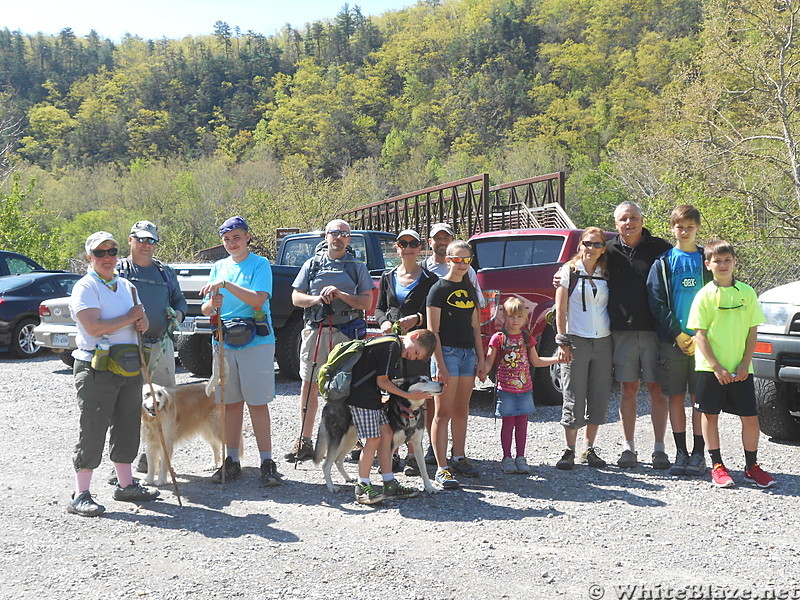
10, 129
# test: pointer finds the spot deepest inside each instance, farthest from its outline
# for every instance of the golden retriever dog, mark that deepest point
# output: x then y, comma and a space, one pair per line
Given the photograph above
185, 411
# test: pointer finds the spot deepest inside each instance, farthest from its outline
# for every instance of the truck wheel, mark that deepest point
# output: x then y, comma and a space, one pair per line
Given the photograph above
287, 348
23, 342
547, 380
67, 359
774, 418
194, 352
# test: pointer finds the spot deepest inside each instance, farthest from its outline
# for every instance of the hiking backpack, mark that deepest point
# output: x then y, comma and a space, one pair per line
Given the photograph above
574, 276
335, 377
317, 313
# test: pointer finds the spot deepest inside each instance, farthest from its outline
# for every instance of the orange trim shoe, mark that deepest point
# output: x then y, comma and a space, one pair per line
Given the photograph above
720, 476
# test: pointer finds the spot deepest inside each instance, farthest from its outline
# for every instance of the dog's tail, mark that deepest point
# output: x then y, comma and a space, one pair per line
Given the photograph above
321, 447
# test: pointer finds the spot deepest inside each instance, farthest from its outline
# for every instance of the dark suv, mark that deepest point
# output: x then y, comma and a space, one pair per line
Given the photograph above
776, 363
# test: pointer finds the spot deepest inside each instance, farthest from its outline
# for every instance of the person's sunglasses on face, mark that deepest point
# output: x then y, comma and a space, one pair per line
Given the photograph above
102, 253
339, 233
460, 259
408, 243
589, 244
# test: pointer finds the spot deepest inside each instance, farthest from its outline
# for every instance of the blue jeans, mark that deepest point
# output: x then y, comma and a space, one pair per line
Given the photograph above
460, 362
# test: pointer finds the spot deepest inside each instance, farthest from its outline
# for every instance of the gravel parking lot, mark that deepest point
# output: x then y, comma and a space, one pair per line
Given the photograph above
552, 534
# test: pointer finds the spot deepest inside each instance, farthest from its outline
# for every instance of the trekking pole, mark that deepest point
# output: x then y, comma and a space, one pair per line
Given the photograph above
156, 410
221, 366
310, 383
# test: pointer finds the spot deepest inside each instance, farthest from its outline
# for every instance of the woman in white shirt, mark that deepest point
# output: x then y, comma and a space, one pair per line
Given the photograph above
584, 343
109, 397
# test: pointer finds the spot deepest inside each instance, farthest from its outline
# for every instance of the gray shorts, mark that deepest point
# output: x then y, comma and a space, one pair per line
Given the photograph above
251, 375
368, 421
587, 382
328, 339
635, 356
676, 372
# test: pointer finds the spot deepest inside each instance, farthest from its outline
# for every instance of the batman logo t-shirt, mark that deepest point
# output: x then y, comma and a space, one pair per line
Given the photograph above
457, 302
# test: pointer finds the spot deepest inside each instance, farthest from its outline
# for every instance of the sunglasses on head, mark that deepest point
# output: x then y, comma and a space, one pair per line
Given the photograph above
102, 253
339, 233
150, 241
461, 259
589, 244
408, 243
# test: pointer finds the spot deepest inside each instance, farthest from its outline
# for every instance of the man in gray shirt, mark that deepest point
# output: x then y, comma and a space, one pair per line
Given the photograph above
157, 287
334, 289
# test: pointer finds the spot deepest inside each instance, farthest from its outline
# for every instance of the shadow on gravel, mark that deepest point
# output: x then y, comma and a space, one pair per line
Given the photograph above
210, 523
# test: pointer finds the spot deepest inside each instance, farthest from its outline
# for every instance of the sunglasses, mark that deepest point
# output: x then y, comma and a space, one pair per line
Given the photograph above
589, 244
102, 253
150, 241
460, 259
741, 301
409, 243
338, 233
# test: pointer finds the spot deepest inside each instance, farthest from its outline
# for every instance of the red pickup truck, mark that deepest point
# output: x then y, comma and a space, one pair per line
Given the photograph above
522, 262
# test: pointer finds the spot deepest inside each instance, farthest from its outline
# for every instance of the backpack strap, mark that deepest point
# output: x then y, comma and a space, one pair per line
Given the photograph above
374, 341
124, 269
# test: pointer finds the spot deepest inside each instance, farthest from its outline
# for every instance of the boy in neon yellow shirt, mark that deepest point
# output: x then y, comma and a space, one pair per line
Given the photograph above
724, 315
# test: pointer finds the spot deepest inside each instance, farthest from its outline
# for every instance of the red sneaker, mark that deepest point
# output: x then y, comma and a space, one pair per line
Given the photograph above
721, 478
760, 477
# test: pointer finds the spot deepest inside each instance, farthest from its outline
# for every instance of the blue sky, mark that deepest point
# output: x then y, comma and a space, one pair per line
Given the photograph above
173, 18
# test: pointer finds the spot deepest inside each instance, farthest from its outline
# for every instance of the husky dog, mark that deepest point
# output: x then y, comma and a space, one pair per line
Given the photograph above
337, 434
184, 411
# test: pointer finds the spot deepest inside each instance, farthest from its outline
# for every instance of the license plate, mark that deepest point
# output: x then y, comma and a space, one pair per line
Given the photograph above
61, 340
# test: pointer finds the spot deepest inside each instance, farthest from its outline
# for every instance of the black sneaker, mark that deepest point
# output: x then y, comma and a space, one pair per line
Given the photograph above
269, 473
233, 470
85, 506
590, 456
412, 467
366, 494
393, 489
135, 493
567, 461
302, 450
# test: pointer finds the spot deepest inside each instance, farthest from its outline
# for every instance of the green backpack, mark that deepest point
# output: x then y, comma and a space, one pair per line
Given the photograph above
335, 377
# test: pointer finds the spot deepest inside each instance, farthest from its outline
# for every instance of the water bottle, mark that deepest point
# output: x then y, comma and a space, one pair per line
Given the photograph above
101, 355
262, 326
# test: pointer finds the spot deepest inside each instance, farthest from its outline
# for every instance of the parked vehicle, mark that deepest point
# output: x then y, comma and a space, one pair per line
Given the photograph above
56, 329
20, 296
776, 363
522, 262
13, 263
375, 248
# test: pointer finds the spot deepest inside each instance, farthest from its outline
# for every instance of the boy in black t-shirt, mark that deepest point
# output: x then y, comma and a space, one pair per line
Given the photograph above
379, 363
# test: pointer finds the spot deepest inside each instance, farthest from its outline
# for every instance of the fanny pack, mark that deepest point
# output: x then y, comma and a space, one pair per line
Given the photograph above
120, 359
239, 332
355, 329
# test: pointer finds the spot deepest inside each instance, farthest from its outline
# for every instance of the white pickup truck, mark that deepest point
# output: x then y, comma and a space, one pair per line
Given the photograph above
776, 363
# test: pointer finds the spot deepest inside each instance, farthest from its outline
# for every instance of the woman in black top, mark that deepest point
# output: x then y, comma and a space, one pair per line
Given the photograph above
453, 316
401, 304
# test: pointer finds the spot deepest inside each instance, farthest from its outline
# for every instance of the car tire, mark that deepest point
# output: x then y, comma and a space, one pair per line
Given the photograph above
547, 389
67, 358
194, 352
23, 342
287, 348
774, 417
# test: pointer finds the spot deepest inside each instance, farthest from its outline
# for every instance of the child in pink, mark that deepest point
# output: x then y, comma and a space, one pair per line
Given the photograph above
516, 352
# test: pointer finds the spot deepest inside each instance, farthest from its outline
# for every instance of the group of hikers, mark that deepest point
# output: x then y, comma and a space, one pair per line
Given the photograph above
631, 308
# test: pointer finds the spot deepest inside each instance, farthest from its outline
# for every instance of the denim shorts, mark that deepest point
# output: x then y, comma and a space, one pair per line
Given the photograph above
513, 404
460, 362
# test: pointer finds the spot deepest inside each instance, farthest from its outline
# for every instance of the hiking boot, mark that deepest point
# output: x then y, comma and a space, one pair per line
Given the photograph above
696, 465
430, 457
302, 450
628, 460
760, 477
85, 506
269, 473
680, 464
355, 453
508, 465
397, 464
590, 457
135, 493
141, 464
567, 462
720, 476
522, 465
464, 467
393, 489
233, 470
445, 478
660, 460
366, 494
412, 467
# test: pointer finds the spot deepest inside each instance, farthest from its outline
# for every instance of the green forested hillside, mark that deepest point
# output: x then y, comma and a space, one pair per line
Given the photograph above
660, 101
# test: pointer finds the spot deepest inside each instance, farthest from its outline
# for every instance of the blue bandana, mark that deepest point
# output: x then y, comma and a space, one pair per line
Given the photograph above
109, 284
